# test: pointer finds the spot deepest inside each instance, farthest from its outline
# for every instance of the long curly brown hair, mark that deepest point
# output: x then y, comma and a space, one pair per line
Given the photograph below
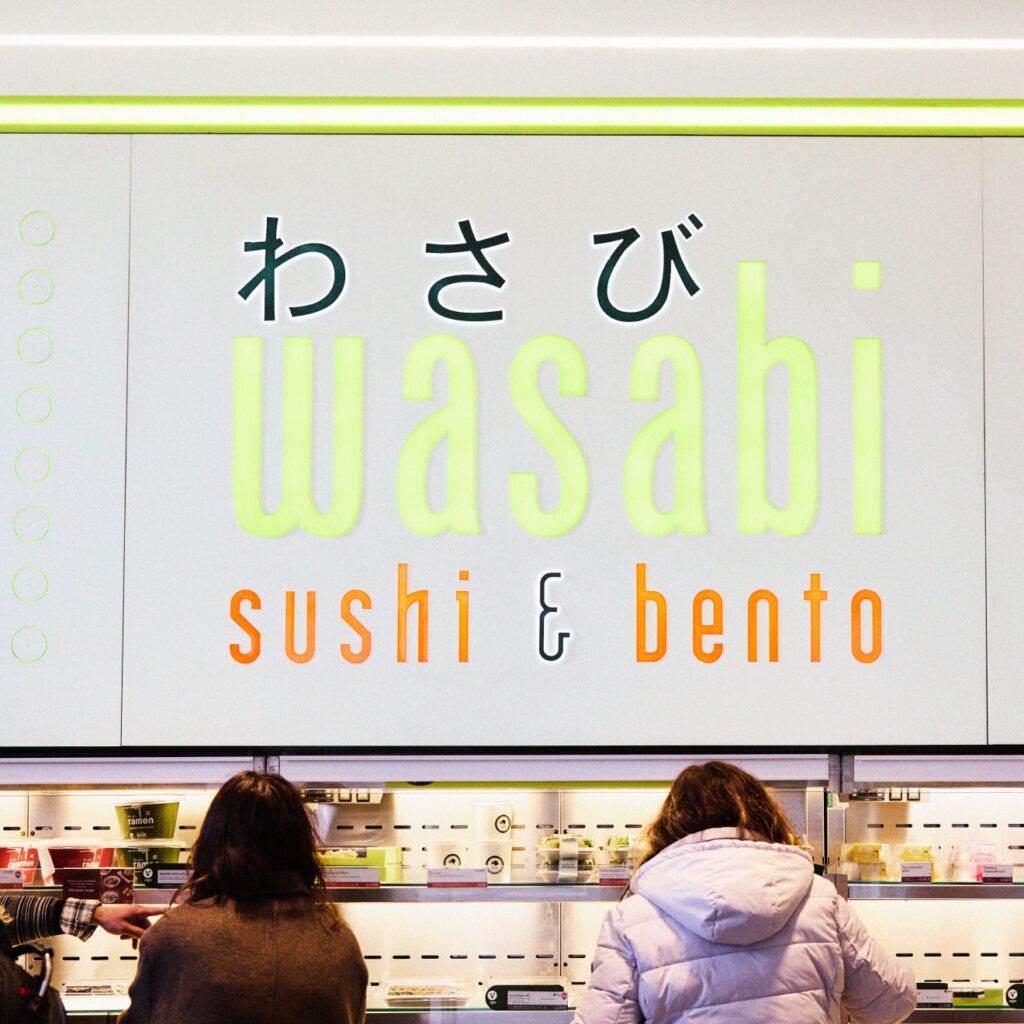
256, 828
716, 795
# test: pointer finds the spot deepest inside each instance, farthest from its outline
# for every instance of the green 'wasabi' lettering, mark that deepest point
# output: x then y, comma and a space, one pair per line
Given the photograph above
524, 488
296, 507
454, 422
682, 423
756, 357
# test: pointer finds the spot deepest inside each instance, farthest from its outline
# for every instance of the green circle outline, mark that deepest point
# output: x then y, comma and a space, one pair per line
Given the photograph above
21, 337
32, 213
29, 661
30, 568
47, 275
29, 508
23, 394
49, 465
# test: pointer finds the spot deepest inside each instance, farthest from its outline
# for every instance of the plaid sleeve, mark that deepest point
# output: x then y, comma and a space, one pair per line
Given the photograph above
32, 917
76, 917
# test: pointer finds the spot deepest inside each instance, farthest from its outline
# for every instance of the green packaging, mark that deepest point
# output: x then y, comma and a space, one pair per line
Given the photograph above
153, 820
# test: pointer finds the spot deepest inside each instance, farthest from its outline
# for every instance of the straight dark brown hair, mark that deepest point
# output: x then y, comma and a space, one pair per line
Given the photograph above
257, 828
717, 795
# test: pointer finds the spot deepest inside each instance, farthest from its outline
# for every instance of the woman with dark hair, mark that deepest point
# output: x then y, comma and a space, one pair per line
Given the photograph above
725, 921
253, 936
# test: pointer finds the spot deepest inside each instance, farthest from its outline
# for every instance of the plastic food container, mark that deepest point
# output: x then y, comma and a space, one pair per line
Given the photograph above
21, 858
586, 872
137, 856
387, 858
425, 992
923, 853
57, 859
868, 862
549, 849
155, 819
620, 849
969, 857
977, 995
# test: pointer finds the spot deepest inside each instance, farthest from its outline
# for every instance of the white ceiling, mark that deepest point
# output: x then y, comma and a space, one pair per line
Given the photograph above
31, 66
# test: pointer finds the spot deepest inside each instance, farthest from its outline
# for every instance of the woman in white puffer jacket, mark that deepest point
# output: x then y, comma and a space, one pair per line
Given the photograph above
726, 922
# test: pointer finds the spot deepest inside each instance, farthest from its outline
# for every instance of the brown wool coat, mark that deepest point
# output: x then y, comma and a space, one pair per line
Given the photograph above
276, 960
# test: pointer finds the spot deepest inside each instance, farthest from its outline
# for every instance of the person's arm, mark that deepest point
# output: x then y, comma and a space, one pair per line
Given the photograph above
878, 988
43, 917
611, 996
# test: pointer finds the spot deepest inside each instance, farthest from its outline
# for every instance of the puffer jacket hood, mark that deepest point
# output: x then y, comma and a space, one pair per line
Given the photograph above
725, 889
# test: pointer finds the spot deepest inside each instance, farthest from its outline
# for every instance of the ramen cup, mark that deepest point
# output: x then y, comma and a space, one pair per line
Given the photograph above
68, 859
137, 857
156, 819
21, 858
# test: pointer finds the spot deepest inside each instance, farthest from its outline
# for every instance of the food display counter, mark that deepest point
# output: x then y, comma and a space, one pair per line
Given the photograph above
434, 952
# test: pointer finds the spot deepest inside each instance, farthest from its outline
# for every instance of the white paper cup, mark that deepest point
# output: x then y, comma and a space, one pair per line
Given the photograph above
496, 856
493, 821
447, 853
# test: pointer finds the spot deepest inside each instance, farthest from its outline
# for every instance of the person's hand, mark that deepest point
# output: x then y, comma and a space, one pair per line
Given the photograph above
129, 920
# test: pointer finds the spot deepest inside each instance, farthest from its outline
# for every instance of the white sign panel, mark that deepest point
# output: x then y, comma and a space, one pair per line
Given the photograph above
555, 441
64, 308
1004, 430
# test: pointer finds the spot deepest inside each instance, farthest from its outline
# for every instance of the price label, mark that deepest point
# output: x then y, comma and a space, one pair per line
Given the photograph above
916, 872
11, 878
614, 874
934, 997
336, 877
457, 878
525, 999
996, 873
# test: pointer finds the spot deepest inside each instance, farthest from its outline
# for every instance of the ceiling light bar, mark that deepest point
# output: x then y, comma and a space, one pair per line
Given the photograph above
451, 42
512, 116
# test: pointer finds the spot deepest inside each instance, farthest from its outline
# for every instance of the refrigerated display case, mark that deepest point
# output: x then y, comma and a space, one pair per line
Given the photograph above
435, 953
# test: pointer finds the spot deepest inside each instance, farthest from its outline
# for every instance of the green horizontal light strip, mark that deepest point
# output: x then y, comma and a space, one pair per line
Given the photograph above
512, 116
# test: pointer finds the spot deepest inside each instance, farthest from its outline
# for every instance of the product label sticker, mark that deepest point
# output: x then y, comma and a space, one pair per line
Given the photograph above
934, 997
454, 878
916, 872
568, 859
614, 874
336, 877
11, 878
996, 873
525, 999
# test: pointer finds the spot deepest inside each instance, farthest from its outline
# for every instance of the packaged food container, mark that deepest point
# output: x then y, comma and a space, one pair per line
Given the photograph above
21, 858
387, 858
924, 853
425, 992
620, 849
151, 819
586, 872
868, 862
138, 855
549, 848
977, 995
969, 857
59, 857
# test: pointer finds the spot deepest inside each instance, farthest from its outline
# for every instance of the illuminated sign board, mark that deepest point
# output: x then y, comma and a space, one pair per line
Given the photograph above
541, 441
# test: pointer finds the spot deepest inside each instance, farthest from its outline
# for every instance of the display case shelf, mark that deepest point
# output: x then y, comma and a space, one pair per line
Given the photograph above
437, 1015
976, 1015
936, 891
511, 893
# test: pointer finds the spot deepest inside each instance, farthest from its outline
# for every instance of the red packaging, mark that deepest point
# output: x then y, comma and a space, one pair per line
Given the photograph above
24, 857
70, 858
